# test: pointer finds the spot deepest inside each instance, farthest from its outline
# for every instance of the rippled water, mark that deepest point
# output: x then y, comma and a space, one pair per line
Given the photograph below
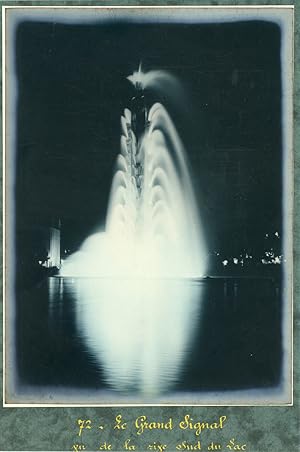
150, 336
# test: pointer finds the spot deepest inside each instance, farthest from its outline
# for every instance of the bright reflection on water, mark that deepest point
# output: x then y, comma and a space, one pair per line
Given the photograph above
138, 331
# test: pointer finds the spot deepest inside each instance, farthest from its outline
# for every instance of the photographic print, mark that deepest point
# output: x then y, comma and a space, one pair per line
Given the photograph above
148, 206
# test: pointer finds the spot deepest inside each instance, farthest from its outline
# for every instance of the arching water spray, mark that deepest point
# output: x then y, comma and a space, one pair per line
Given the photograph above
152, 227
152, 208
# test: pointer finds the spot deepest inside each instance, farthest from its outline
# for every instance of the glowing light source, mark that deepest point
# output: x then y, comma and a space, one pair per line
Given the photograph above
152, 226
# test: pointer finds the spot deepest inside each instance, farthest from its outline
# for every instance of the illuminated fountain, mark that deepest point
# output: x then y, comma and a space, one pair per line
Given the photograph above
152, 226
143, 261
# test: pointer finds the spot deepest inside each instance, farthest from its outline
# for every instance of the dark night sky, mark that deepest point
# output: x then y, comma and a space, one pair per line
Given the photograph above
72, 89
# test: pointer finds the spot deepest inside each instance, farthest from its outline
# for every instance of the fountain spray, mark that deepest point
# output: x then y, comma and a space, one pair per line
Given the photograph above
153, 227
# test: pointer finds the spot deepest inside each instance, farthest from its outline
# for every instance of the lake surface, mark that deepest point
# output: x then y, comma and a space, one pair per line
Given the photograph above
150, 336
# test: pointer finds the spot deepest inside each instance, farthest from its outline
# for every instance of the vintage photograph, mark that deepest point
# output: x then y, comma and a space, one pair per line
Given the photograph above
148, 205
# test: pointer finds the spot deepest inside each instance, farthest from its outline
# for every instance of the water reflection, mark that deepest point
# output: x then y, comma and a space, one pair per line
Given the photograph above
154, 340
138, 331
